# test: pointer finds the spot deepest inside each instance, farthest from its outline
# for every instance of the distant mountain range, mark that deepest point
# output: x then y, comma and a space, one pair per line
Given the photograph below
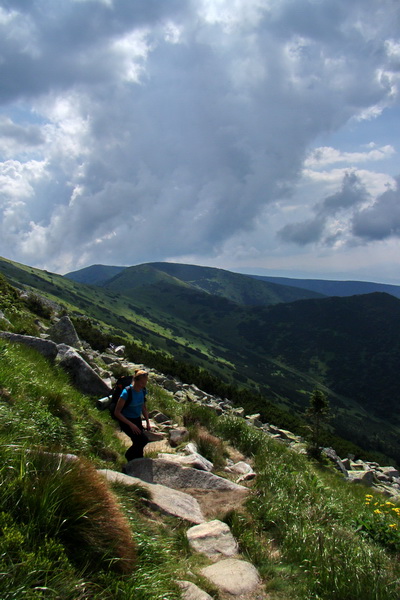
280, 341
334, 288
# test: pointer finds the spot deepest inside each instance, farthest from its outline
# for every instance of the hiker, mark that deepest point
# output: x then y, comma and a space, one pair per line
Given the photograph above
130, 417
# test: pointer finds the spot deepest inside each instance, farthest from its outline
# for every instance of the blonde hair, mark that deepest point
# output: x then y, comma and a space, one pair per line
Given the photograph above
140, 373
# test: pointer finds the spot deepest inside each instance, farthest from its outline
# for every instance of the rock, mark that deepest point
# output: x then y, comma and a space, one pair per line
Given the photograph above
212, 539
190, 448
45, 347
254, 420
190, 591
171, 385
120, 351
63, 332
175, 476
177, 436
236, 577
389, 472
241, 468
164, 499
346, 464
81, 373
4, 318
331, 454
195, 461
246, 477
160, 417
364, 477
238, 412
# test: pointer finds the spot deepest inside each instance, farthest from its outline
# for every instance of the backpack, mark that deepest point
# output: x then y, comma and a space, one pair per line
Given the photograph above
120, 385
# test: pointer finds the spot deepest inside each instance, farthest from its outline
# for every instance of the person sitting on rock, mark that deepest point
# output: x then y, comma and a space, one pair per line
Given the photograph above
129, 414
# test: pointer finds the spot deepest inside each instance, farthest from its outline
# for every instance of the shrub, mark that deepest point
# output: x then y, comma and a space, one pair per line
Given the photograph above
38, 306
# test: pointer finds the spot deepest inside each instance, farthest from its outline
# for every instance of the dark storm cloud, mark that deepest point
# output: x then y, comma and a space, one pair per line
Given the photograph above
29, 136
351, 195
381, 220
50, 45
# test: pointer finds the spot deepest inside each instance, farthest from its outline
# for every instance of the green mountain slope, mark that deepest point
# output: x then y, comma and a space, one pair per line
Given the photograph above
241, 289
95, 274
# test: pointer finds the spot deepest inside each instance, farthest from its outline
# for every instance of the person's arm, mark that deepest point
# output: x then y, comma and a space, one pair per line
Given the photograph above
118, 414
146, 416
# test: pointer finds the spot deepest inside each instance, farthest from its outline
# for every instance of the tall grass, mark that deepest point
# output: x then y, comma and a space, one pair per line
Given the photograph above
310, 513
38, 407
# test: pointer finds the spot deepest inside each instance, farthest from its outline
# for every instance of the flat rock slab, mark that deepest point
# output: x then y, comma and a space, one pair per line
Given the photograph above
168, 501
190, 591
214, 539
194, 460
176, 476
45, 347
236, 577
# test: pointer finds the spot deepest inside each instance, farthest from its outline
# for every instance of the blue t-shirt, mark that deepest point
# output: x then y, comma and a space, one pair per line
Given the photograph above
134, 409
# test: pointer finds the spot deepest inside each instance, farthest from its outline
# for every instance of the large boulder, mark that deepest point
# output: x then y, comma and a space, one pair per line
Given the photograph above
236, 577
45, 347
364, 477
63, 332
214, 539
167, 501
175, 476
83, 377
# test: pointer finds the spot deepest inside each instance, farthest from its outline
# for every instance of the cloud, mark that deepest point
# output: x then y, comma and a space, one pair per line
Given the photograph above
172, 128
325, 227
381, 220
328, 156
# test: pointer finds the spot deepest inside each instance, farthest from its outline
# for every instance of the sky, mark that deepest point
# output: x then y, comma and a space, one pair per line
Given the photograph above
259, 136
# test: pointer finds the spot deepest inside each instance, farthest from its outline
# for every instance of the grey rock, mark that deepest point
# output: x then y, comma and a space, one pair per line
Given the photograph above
195, 460
175, 476
109, 360
177, 436
63, 332
346, 463
241, 468
160, 418
390, 472
236, 577
191, 591
331, 454
83, 377
214, 539
364, 477
171, 385
45, 347
119, 350
165, 500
